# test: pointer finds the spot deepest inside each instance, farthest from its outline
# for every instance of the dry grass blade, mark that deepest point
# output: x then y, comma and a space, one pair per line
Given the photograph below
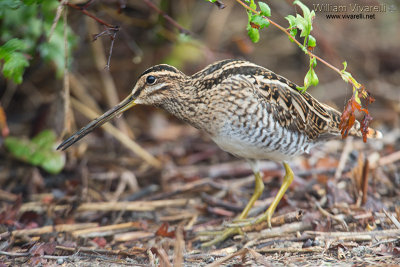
123, 138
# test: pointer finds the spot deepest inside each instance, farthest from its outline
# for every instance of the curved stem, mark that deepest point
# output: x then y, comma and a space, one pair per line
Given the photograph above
299, 44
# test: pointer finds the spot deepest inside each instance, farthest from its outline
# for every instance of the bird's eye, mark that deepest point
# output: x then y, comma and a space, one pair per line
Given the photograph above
150, 79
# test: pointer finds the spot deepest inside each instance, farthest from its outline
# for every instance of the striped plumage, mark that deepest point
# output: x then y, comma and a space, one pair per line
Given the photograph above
246, 109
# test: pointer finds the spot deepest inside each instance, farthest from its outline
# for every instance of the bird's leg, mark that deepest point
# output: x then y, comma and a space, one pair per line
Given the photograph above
259, 188
287, 180
266, 216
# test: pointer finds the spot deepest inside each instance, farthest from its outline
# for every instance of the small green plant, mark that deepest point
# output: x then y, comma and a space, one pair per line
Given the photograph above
24, 30
39, 151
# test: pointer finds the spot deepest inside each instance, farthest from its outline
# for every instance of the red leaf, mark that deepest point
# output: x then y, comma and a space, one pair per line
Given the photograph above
163, 231
255, 26
348, 116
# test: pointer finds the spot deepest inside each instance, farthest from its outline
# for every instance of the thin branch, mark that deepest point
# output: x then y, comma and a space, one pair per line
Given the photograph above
84, 11
57, 17
168, 18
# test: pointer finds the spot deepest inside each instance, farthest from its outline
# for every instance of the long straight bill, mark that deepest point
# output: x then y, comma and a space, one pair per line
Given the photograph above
127, 103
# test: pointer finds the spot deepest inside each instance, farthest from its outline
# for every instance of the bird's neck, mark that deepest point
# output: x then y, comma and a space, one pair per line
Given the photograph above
190, 106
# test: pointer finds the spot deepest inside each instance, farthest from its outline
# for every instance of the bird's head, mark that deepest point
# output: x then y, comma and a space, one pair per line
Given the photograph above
154, 87
157, 84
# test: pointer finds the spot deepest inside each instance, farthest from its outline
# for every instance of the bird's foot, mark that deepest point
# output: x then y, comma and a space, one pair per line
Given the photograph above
265, 217
220, 235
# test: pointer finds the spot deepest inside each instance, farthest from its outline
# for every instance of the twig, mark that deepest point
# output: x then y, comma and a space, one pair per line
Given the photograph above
393, 219
124, 139
389, 159
334, 217
180, 216
84, 11
164, 261
287, 218
111, 206
168, 18
355, 235
134, 205
7, 196
364, 181
109, 88
291, 250
179, 246
15, 254
56, 18
278, 231
188, 187
131, 236
107, 230
220, 262
66, 86
131, 252
218, 202
51, 229
343, 157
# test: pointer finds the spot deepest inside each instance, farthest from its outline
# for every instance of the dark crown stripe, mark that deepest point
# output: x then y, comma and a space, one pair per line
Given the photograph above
160, 68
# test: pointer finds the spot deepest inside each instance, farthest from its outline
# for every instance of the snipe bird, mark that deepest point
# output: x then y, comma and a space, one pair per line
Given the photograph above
247, 110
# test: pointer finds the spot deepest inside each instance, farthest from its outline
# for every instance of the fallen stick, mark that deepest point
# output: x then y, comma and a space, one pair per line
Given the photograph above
290, 250
106, 230
110, 206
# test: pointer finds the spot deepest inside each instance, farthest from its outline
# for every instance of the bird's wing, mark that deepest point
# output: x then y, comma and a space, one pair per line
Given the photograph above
297, 111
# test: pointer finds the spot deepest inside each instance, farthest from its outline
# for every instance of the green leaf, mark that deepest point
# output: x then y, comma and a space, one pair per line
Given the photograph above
54, 162
253, 5
302, 24
14, 66
45, 139
344, 66
265, 10
32, 2
259, 20
9, 4
254, 34
11, 46
292, 26
38, 152
304, 8
311, 41
314, 78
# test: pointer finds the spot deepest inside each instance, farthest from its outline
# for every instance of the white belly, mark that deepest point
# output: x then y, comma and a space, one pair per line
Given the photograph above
248, 150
